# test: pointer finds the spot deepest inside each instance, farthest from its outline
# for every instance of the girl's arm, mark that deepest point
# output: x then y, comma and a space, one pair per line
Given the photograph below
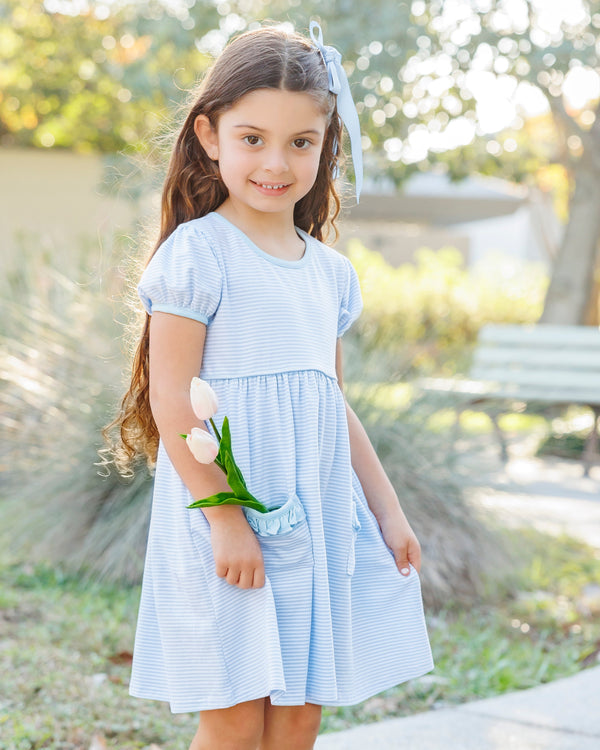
176, 348
378, 489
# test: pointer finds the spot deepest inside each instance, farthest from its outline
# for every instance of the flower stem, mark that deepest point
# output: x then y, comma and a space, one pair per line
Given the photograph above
217, 433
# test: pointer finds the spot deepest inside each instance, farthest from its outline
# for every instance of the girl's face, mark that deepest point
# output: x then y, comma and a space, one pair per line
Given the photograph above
268, 147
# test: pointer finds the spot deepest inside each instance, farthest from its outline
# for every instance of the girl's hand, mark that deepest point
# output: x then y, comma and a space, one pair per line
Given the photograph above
401, 540
236, 550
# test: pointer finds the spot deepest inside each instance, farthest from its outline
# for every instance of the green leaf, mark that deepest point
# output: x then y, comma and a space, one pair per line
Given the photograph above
240, 494
229, 498
234, 477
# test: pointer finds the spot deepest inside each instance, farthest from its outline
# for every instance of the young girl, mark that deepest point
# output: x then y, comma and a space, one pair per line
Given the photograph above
318, 603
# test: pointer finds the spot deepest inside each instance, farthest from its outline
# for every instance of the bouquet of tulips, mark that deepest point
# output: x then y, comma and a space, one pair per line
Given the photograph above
205, 448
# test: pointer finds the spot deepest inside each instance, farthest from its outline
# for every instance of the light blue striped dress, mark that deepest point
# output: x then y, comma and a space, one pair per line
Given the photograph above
335, 622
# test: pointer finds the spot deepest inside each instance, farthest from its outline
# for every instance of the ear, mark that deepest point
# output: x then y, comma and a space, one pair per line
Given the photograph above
207, 136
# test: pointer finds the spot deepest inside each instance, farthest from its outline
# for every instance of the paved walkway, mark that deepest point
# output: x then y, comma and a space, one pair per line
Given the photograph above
550, 494
553, 496
562, 715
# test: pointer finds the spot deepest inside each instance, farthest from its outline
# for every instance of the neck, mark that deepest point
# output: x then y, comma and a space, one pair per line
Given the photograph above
274, 233
275, 225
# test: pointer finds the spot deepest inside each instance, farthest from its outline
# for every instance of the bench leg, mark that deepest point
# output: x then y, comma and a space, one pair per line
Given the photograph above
500, 436
494, 420
590, 452
455, 430
456, 426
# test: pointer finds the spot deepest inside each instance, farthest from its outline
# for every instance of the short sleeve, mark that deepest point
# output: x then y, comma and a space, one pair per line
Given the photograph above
351, 303
183, 277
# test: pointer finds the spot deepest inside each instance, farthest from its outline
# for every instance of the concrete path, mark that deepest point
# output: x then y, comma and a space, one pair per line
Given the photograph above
562, 715
550, 494
553, 496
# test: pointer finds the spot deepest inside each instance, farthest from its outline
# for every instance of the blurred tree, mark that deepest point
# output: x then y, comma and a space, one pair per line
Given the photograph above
451, 82
73, 75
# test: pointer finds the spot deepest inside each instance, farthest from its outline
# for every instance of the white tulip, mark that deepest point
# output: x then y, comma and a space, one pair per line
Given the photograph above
204, 400
203, 445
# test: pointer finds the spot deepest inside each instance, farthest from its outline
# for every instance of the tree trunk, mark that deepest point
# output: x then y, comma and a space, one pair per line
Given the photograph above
572, 284
569, 298
593, 311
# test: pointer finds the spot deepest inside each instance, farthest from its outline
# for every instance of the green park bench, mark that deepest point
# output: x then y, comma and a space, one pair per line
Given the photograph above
541, 364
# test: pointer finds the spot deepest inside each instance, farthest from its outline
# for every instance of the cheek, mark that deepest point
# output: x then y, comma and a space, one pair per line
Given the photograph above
233, 162
310, 168
315, 169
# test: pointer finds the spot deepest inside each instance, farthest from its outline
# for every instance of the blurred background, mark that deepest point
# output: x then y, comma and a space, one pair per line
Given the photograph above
480, 206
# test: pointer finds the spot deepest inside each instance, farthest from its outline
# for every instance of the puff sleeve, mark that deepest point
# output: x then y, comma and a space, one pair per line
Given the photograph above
351, 302
183, 277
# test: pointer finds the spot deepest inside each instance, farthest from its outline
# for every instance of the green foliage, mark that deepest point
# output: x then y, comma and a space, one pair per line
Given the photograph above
426, 314
90, 82
66, 665
225, 460
567, 434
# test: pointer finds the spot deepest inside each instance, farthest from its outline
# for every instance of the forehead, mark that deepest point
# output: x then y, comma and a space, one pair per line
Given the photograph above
276, 109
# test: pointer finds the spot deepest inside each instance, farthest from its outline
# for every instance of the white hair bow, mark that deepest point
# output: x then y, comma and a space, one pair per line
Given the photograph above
338, 84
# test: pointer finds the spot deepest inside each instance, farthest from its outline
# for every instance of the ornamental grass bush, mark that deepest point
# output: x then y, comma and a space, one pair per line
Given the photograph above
62, 368
61, 365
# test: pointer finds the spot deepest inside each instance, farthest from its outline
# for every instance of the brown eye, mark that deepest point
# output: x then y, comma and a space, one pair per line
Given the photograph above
252, 140
301, 143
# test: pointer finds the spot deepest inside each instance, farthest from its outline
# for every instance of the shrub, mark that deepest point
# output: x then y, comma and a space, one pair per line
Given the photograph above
61, 371
426, 315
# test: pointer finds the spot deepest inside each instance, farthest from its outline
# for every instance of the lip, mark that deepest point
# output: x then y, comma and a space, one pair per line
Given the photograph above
272, 191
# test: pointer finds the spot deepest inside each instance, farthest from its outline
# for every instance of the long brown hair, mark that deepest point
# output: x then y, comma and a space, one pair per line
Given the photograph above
264, 58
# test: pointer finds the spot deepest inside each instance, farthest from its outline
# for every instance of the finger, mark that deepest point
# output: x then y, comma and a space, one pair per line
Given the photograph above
246, 578
259, 577
233, 576
221, 570
403, 564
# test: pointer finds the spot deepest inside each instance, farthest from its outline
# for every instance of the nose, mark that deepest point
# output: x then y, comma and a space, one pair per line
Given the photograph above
275, 160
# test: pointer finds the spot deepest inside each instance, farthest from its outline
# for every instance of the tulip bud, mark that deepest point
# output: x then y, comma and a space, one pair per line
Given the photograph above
204, 400
203, 445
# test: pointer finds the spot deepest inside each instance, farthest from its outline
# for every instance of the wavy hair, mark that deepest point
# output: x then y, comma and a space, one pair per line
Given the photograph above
266, 58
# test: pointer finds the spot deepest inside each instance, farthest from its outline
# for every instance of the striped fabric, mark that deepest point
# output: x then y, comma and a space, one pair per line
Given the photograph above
335, 622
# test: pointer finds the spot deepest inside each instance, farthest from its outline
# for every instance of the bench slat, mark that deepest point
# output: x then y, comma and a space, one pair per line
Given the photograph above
547, 396
571, 360
541, 335
541, 379
544, 364
478, 389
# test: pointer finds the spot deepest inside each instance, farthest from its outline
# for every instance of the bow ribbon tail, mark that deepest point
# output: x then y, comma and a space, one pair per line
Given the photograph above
339, 85
347, 112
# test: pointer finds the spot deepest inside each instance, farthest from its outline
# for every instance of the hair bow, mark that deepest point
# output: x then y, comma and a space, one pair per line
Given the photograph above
338, 84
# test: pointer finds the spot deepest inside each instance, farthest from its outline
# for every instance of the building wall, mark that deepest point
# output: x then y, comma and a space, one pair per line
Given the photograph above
56, 196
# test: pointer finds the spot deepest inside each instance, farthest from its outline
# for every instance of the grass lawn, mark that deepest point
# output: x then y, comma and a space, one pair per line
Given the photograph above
66, 651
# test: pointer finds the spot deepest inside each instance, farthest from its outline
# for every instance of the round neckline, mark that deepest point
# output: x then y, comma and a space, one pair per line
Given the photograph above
267, 256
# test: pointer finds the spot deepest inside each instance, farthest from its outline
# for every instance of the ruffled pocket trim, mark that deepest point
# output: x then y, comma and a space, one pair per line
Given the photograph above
278, 521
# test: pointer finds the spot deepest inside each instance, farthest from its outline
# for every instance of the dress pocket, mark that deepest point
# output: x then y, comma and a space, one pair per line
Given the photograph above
352, 552
283, 534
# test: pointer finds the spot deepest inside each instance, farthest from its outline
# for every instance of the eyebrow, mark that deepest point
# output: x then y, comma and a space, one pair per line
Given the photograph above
249, 126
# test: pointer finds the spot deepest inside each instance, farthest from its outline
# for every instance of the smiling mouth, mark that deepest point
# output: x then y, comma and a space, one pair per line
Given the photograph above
267, 186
